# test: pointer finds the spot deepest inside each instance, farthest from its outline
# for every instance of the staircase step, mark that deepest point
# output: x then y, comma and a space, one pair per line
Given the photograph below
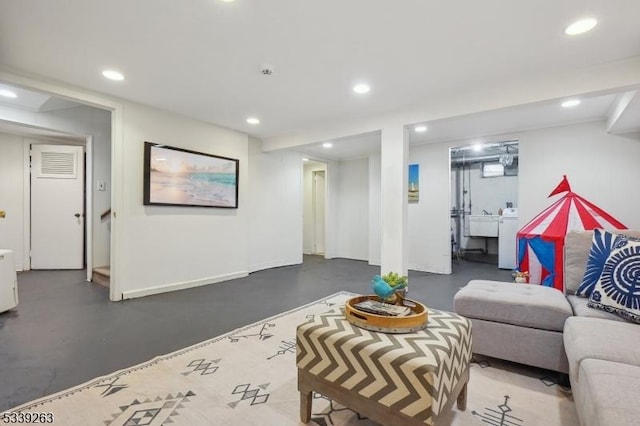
101, 275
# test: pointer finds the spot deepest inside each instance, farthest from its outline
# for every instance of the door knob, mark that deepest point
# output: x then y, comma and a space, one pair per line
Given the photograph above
77, 215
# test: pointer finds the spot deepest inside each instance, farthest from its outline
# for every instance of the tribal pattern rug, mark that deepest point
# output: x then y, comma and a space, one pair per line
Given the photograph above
248, 377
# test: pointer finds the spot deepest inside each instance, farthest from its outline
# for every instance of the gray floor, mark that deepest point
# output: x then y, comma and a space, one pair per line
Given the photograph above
65, 331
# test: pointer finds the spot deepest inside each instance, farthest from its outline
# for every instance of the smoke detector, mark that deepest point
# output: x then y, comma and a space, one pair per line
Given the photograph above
266, 69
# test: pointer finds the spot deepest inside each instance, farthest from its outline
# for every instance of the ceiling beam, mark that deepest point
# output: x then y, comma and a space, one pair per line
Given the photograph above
624, 116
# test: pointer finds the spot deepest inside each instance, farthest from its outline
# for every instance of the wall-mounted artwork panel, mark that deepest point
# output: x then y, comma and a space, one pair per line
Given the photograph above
179, 177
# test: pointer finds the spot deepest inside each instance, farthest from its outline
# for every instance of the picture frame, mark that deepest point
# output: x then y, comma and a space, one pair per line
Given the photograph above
181, 177
414, 183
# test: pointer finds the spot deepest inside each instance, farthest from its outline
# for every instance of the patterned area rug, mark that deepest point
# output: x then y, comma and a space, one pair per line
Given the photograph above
248, 377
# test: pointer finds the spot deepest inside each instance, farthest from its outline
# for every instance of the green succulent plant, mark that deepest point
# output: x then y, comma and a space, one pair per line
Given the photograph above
394, 279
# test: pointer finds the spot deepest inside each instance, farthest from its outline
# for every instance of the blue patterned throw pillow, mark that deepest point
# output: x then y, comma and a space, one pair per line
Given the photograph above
618, 288
602, 244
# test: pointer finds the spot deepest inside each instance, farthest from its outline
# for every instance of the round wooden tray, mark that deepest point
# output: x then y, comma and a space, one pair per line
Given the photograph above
386, 324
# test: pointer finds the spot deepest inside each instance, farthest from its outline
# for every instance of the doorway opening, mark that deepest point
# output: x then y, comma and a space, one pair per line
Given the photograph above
483, 200
100, 121
80, 144
34, 162
314, 210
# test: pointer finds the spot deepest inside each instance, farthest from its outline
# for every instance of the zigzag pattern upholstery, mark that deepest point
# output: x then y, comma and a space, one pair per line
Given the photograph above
414, 374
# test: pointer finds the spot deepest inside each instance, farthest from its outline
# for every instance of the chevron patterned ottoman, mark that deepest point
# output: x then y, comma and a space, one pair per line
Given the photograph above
394, 379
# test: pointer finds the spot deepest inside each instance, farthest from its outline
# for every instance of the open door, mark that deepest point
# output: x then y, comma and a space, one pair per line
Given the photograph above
57, 212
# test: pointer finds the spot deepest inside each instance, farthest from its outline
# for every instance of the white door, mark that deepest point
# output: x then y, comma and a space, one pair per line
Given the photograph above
57, 219
318, 210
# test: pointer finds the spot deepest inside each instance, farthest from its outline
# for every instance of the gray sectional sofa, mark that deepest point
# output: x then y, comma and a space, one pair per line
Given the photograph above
602, 348
543, 327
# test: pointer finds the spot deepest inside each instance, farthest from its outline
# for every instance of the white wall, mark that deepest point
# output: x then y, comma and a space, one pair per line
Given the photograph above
347, 205
353, 209
275, 207
429, 226
168, 248
101, 132
331, 217
429, 222
490, 194
149, 254
12, 196
375, 215
602, 168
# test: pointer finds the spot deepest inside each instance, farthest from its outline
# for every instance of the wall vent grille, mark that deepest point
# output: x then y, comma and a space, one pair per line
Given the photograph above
58, 164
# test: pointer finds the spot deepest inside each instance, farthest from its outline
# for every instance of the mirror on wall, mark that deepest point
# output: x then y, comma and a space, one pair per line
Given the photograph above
484, 210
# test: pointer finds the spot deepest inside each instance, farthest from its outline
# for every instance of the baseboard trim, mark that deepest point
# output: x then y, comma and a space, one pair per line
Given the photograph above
426, 268
165, 288
273, 264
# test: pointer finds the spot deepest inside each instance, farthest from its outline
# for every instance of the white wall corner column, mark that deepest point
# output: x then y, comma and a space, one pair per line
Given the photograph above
375, 202
393, 208
331, 210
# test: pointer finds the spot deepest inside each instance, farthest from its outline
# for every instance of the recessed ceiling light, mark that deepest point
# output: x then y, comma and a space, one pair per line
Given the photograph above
305, 159
8, 93
420, 129
228, 1
477, 147
113, 75
253, 120
581, 26
327, 145
361, 88
571, 103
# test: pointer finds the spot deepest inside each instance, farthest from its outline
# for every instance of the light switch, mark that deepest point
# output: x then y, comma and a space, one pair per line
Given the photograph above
101, 185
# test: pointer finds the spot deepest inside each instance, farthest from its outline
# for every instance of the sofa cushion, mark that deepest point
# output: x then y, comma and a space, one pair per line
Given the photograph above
602, 244
580, 308
594, 338
618, 288
576, 252
525, 305
577, 245
608, 393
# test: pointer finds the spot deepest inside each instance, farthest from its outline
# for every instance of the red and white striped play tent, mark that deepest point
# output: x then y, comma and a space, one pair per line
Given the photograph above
541, 241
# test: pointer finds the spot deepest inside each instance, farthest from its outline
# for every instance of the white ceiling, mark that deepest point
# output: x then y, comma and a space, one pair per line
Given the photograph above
515, 119
33, 101
480, 127
346, 148
202, 58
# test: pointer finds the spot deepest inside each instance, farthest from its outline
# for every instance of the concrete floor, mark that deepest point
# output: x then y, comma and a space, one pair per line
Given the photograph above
65, 331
